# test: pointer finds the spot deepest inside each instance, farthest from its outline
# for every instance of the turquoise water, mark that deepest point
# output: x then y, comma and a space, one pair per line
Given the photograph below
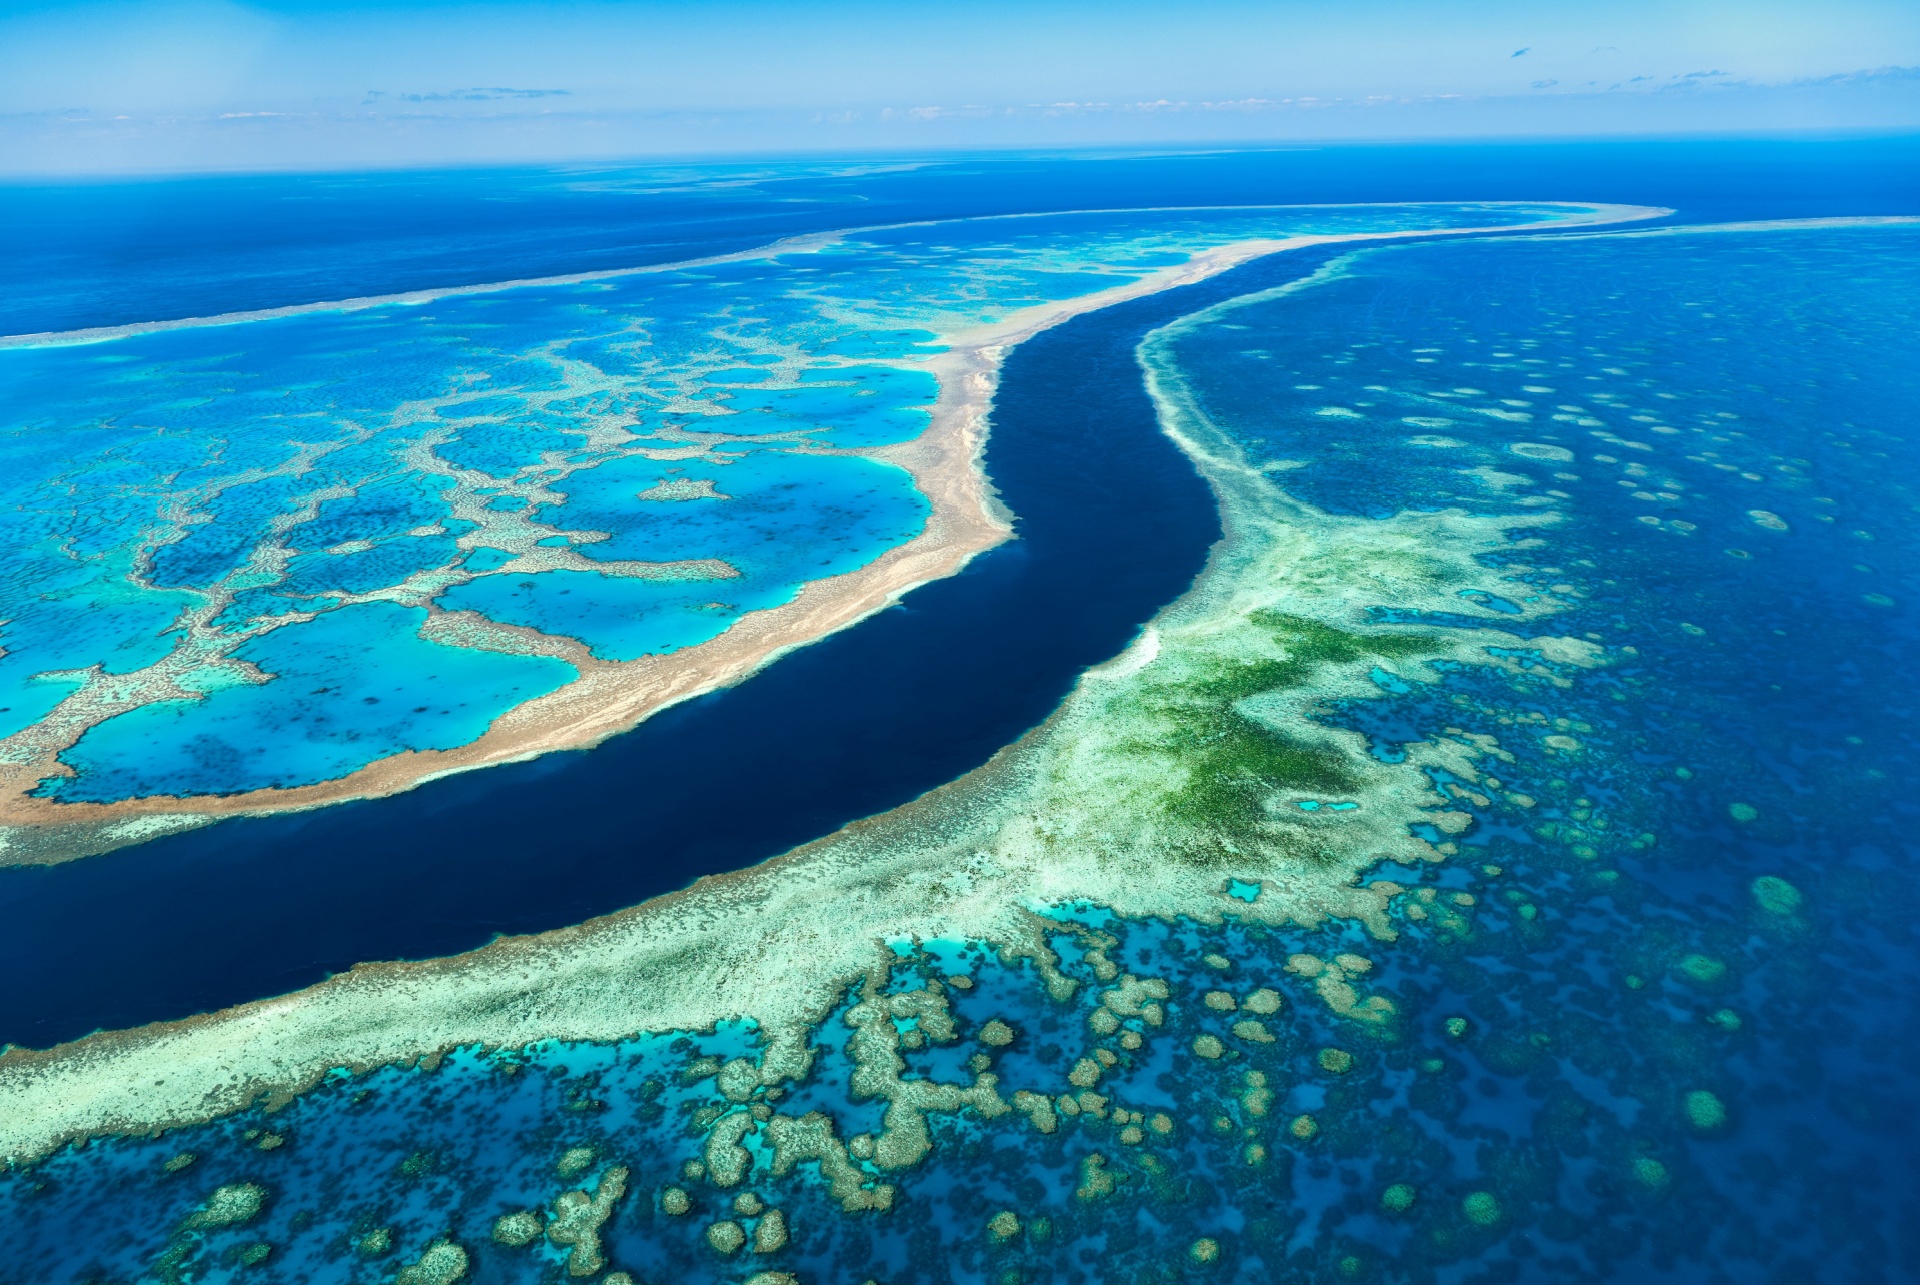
1678, 928
338, 697
778, 519
1657, 1026
1653, 1018
214, 525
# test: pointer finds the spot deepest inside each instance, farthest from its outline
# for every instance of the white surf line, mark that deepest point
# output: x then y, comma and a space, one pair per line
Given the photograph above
1752, 225
522, 990
103, 334
805, 243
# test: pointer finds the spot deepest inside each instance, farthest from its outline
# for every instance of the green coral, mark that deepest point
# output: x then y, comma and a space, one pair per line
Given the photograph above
1776, 896
1398, 1198
1705, 1111
1233, 761
1482, 1208
1703, 970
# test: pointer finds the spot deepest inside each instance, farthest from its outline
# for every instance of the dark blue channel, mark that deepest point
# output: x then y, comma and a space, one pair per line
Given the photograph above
107, 252
1113, 523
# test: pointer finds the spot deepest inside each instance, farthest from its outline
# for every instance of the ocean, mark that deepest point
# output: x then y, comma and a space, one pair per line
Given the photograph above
1649, 1016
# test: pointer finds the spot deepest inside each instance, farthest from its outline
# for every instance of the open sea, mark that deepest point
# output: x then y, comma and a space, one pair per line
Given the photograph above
1655, 1015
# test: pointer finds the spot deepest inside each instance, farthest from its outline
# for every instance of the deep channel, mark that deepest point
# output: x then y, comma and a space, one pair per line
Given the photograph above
1112, 523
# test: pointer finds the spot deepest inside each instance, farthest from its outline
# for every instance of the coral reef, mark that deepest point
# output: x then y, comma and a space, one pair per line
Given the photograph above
443, 1263
578, 1217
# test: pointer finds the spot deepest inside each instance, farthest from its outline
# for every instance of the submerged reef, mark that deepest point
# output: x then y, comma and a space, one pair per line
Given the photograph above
329, 552
1337, 929
1215, 701
1190, 776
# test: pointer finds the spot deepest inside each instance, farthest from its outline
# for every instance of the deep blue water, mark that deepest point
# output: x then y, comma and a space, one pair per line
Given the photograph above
108, 253
858, 723
1723, 423
629, 463
1605, 947
1112, 527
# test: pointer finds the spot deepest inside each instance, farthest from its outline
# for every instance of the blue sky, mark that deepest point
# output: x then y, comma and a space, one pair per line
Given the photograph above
141, 84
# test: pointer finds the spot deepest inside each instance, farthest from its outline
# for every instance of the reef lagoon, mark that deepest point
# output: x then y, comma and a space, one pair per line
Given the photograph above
249, 544
1493, 866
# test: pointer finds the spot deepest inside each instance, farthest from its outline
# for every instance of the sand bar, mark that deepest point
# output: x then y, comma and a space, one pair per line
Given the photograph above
971, 859
613, 697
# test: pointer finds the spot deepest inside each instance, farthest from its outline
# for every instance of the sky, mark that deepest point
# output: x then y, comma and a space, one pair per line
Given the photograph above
104, 86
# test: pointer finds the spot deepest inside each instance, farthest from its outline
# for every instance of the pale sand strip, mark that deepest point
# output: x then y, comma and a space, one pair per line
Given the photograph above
610, 698
805, 243
408, 298
1774, 225
778, 941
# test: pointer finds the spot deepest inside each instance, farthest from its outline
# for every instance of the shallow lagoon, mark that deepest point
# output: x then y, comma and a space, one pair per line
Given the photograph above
1646, 1018
342, 696
1684, 956
481, 451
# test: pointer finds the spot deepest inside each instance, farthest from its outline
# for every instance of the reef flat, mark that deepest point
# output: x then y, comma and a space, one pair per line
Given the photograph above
433, 530
1496, 863
1080, 810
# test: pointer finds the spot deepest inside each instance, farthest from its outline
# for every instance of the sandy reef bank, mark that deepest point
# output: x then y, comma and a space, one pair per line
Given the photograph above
610, 697
1074, 811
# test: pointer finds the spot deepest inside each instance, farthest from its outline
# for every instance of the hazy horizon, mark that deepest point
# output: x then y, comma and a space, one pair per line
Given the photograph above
144, 86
